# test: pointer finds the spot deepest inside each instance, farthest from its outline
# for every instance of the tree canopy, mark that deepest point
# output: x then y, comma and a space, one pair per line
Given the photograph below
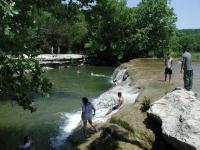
156, 29
118, 33
20, 74
190, 38
107, 31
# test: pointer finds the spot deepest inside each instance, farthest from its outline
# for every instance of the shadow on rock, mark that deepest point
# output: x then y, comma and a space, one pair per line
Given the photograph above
155, 126
78, 137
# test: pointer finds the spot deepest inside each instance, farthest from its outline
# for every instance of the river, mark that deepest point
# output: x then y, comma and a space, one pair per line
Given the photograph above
46, 124
57, 116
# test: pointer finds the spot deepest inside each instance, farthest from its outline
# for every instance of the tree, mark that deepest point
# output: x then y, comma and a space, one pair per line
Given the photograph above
20, 74
111, 25
156, 28
62, 25
191, 39
118, 33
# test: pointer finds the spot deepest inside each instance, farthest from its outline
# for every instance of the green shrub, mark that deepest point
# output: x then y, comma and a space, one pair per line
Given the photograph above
146, 103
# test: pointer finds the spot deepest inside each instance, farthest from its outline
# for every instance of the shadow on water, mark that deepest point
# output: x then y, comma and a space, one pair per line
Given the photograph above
155, 126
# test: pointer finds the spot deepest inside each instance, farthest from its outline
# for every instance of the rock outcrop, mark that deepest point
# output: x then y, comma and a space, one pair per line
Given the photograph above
113, 136
179, 114
60, 59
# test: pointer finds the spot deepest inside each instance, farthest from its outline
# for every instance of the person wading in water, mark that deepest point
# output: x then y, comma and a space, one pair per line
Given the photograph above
168, 67
87, 114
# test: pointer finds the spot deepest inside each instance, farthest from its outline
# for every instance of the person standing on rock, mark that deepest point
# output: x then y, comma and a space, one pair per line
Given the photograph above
168, 67
87, 114
119, 105
186, 66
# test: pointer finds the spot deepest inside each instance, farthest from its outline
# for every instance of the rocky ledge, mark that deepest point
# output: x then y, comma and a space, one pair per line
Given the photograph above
141, 131
60, 59
178, 112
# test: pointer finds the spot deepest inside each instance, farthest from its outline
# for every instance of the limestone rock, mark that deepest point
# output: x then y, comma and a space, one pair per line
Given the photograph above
179, 114
60, 59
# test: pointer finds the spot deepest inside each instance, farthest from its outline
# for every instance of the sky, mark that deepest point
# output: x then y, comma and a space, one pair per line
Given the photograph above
187, 11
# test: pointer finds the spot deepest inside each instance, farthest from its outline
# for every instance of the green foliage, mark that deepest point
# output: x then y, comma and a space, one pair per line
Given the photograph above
54, 33
195, 56
146, 103
118, 33
20, 74
61, 25
107, 30
156, 30
111, 26
190, 39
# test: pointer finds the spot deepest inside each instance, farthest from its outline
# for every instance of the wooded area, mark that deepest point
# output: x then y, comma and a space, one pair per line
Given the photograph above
107, 31
191, 39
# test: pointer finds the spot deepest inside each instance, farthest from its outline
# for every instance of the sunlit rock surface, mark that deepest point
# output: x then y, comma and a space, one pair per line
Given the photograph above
60, 59
179, 114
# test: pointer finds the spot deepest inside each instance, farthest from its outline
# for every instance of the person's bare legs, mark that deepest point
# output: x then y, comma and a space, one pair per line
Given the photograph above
84, 127
109, 111
90, 122
165, 77
170, 78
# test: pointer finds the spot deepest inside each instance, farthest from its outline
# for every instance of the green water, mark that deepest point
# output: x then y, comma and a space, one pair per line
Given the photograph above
69, 87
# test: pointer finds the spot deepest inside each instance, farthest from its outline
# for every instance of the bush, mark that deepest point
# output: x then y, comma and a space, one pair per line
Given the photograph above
146, 103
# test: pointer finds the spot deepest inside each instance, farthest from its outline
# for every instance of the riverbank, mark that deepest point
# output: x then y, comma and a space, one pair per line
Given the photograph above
55, 60
130, 128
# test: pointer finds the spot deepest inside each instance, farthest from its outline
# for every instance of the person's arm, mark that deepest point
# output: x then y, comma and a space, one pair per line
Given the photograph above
121, 103
182, 64
172, 63
28, 144
83, 108
83, 111
93, 109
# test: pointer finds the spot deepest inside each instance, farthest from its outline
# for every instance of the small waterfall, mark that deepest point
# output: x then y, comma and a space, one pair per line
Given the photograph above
120, 74
69, 122
102, 104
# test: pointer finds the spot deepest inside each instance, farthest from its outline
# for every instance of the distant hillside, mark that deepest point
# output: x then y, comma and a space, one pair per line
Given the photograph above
191, 31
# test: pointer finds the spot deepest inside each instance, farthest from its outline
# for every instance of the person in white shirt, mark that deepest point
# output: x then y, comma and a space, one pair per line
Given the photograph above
88, 111
168, 67
27, 144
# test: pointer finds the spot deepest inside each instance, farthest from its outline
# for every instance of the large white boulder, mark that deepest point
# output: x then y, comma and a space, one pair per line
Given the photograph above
179, 114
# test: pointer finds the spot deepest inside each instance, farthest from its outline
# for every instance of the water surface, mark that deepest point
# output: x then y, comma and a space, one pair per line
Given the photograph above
70, 85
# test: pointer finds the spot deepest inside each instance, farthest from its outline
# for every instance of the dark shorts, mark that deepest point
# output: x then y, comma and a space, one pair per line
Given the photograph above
168, 71
115, 107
